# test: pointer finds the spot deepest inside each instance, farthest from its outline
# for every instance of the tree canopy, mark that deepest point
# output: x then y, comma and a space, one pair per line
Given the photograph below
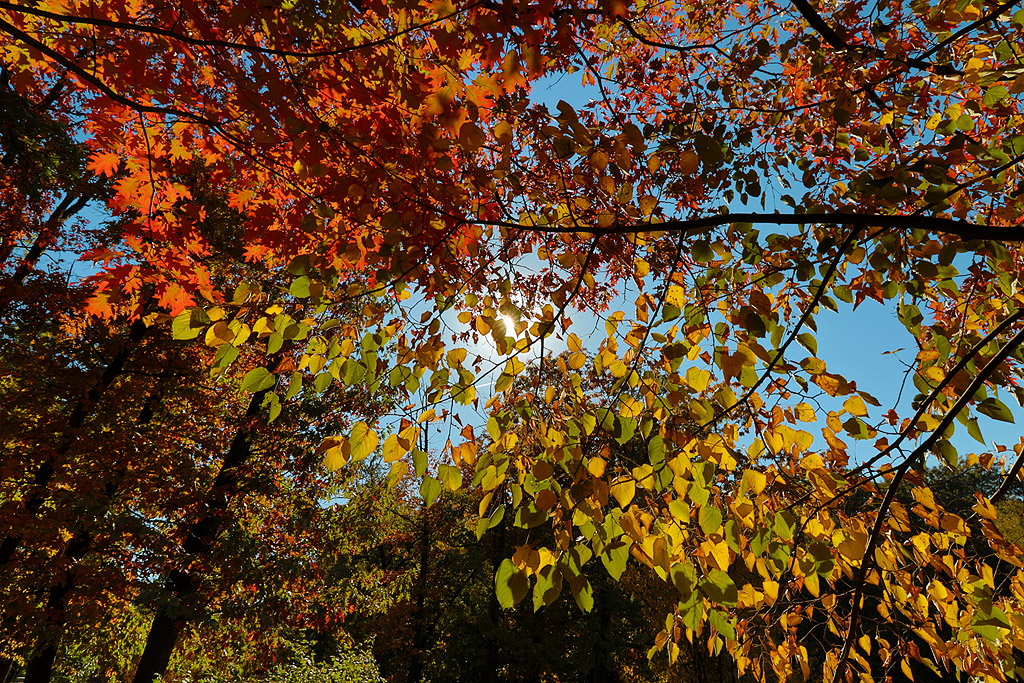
601, 317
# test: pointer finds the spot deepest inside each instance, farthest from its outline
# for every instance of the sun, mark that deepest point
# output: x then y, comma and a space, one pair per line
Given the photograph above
510, 324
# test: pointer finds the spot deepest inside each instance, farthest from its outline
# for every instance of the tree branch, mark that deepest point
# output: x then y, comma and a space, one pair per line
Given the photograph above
243, 47
965, 230
833, 38
876, 531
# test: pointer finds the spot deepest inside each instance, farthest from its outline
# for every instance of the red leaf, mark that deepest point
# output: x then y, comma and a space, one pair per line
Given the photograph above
105, 163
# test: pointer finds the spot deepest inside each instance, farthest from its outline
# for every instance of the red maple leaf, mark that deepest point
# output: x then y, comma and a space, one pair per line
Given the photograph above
106, 163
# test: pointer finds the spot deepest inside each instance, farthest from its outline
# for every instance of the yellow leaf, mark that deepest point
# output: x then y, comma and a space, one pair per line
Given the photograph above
630, 407
812, 462
393, 450
754, 481
337, 452
719, 554
697, 378
804, 412
924, 496
623, 489
985, 509
853, 545
828, 383
855, 406
676, 296
363, 441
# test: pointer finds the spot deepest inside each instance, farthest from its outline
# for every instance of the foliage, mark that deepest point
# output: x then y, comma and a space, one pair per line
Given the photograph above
351, 666
363, 199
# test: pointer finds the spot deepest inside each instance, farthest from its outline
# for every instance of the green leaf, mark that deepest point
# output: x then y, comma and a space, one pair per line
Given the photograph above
548, 587
945, 450
582, 592
451, 476
274, 403
257, 380
720, 587
625, 428
430, 489
510, 584
226, 355
578, 556
808, 341
615, 557
785, 523
710, 520
299, 265
698, 493
702, 251
419, 461
691, 603
995, 95
858, 429
974, 430
990, 615
723, 623
300, 287
322, 381
295, 386
684, 578
274, 342
528, 516
995, 409
181, 327
490, 522
656, 450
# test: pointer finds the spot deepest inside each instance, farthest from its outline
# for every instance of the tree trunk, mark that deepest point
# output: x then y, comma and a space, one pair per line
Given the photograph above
39, 491
40, 666
493, 608
603, 670
199, 540
419, 638
160, 644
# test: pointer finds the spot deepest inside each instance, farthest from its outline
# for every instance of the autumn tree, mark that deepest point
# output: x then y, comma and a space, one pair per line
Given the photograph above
743, 169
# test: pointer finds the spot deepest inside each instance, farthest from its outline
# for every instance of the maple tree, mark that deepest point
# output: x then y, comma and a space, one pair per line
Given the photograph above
744, 169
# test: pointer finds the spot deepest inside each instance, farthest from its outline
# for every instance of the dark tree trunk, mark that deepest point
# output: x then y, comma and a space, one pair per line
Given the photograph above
180, 586
494, 655
419, 637
160, 644
604, 669
39, 491
40, 666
